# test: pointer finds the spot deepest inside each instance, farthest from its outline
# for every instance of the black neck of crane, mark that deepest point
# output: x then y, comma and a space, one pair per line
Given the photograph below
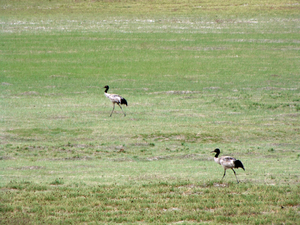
217, 154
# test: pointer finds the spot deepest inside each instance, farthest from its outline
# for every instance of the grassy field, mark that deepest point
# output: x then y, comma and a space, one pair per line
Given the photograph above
197, 75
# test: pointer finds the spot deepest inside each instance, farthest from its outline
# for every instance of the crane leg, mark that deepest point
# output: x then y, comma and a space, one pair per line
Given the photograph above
235, 175
113, 109
224, 174
122, 109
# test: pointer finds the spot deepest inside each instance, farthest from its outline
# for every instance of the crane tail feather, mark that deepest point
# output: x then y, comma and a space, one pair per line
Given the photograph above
124, 102
238, 164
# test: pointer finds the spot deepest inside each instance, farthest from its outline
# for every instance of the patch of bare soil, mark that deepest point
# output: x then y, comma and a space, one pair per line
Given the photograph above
5, 84
29, 93
27, 168
175, 92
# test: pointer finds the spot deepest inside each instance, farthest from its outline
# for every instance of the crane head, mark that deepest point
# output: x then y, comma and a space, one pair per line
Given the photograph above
216, 151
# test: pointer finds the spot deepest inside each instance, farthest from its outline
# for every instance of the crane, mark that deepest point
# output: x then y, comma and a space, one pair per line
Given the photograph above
115, 99
228, 162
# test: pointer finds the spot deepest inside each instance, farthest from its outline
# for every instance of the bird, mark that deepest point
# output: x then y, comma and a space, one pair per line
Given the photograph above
115, 99
228, 162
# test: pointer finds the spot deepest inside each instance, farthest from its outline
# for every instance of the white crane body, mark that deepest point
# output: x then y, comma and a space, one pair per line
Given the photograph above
225, 161
114, 98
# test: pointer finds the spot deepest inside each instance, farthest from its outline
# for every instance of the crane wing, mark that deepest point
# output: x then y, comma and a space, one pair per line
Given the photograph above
114, 98
227, 161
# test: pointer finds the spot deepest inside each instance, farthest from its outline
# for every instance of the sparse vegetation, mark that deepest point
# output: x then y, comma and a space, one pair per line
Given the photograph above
196, 75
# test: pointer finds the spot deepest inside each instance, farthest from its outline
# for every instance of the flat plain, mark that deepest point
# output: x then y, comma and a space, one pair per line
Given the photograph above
197, 75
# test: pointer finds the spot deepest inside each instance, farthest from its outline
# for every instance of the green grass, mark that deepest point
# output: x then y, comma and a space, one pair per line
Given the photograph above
164, 202
196, 75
